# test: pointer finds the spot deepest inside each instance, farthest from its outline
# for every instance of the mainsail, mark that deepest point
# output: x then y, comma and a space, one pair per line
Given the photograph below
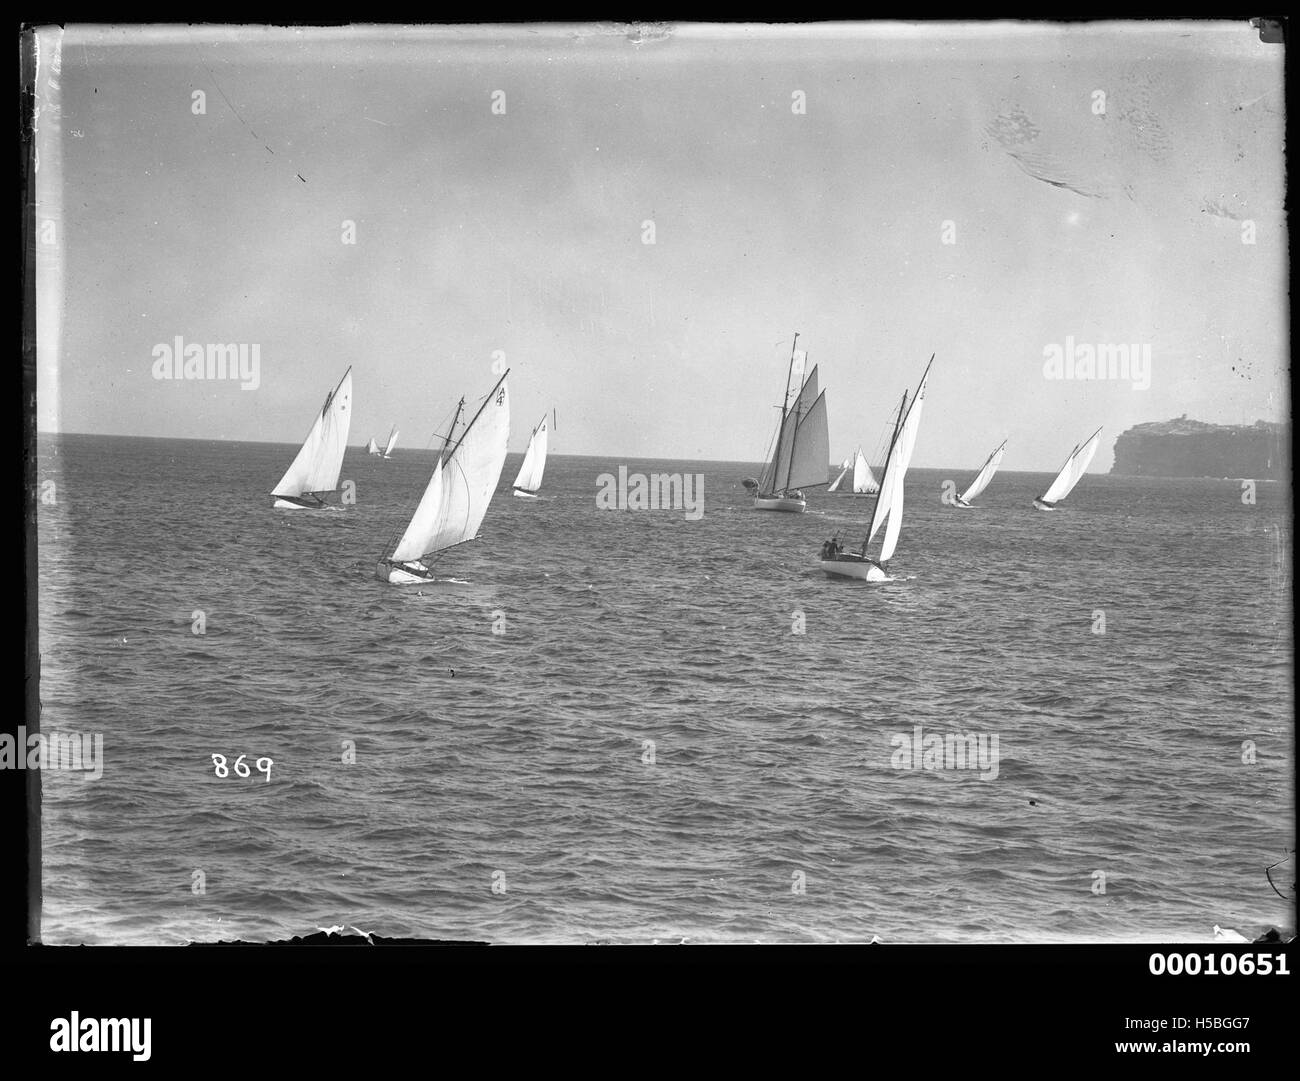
1075, 466
372, 447
985, 475
803, 446
779, 473
889, 503
530, 473
464, 478
864, 483
319, 460
392, 442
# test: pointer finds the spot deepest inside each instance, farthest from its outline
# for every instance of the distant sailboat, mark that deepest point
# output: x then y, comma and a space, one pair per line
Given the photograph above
316, 468
889, 502
457, 495
844, 468
392, 442
864, 482
983, 477
1070, 475
372, 447
802, 449
530, 473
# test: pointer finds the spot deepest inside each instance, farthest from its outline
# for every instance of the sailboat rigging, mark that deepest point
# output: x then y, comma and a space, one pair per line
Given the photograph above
458, 493
392, 442
529, 478
315, 469
983, 477
888, 509
802, 448
1070, 475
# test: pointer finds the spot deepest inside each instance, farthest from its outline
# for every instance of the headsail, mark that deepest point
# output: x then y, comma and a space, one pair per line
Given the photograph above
372, 447
889, 503
864, 482
320, 459
464, 478
985, 474
530, 473
1071, 473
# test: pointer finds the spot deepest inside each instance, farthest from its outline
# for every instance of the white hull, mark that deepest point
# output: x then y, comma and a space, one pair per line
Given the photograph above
775, 502
1044, 506
286, 504
961, 504
396, 576
862, 570
520, 494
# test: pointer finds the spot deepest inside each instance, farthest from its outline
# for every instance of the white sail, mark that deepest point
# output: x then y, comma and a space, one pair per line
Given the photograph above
844, 468
1075, 466
889, 503
864, 482
424, 522
777, 476
372, 447
530, 473
458, 494
319, 460
392, 442
985, 475
811, 449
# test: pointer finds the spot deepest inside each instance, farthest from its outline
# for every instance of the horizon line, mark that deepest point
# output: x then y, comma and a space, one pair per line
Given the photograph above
832, 466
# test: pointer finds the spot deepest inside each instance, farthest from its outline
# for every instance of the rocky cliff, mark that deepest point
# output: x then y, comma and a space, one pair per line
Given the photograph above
1192, 448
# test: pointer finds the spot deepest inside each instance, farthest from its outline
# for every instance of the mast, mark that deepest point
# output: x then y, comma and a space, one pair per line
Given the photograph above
794, 436
785, 402
460, 408
880, 488
484, 406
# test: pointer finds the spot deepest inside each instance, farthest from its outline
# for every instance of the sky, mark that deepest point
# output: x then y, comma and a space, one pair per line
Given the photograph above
887, 191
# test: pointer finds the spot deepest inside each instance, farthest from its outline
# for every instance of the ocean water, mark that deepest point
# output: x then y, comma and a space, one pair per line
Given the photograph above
649, 750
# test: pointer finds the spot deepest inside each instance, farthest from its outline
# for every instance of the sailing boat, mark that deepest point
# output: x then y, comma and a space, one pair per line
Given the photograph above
844, 468
802, 449
372, 447
1070, 475
392, 442
889, 501
316, 468
983, 477
530, 473
457, 495
864, 482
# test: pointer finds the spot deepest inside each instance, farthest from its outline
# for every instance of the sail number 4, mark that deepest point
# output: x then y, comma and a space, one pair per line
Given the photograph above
241, 770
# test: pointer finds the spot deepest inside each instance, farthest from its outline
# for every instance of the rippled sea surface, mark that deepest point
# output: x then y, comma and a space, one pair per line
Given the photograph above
649, 751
